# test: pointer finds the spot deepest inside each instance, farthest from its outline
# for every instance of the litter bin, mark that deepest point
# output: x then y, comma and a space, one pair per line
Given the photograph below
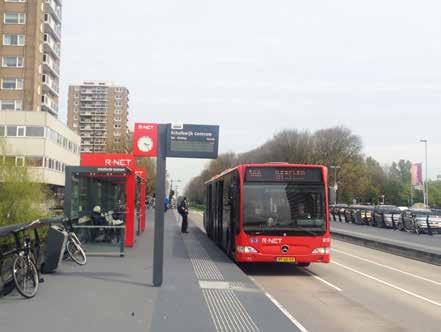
55, 246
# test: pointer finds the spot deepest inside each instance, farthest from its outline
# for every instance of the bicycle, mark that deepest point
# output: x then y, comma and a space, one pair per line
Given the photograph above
25, 271
73, 248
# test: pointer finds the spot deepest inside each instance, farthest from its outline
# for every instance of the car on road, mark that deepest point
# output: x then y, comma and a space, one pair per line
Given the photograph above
421, 221
386, 216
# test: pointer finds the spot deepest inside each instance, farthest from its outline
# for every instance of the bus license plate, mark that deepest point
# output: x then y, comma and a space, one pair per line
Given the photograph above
285, 259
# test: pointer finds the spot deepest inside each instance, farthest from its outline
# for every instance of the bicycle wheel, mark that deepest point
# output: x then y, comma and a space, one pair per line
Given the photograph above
76, 252
25, 276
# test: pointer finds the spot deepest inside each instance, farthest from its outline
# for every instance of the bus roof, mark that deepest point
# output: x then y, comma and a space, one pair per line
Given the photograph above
269, 164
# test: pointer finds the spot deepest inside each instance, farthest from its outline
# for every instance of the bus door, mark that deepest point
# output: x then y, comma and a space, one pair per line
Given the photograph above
219, 208
234, 205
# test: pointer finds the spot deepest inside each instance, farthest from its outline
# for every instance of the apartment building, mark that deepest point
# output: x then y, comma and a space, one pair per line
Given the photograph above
41, 142
98, 112
30, 55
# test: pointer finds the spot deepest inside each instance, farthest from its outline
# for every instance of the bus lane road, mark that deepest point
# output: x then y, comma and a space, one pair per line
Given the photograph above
361, 290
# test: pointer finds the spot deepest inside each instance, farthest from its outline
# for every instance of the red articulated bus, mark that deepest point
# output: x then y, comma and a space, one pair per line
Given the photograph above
275, 212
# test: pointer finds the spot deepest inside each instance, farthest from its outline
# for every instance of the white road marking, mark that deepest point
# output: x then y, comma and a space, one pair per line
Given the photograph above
322, 280
388, 267
280, 307
388, 284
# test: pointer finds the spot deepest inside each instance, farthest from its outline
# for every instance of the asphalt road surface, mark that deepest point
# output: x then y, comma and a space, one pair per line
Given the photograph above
361, 290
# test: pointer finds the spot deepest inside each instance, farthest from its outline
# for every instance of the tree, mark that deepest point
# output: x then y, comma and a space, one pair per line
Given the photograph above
21, 198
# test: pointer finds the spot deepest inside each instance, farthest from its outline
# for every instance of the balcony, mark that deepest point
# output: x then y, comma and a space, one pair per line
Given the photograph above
51, 45
52, 26
50, 84
51, 65
54, 8
49, 104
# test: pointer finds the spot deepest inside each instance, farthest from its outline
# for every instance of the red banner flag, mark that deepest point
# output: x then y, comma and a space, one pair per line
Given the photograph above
417, 174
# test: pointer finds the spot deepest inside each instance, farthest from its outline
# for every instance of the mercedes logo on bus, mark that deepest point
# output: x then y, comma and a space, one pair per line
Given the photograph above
284, 249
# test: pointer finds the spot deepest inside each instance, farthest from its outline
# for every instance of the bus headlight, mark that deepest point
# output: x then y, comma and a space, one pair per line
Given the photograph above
321, 251
246, 250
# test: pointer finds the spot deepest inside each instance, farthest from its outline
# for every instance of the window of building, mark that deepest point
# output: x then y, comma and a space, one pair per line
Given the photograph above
21, 131
34, 131
12, 83
13, 40
2, 131
116, 133
19, 161
12, 62
117, 126
118, 111
11, 131
65, 142
59, 139
34, 161
10, 105
75, 117
14, 18
117, 119
75, 125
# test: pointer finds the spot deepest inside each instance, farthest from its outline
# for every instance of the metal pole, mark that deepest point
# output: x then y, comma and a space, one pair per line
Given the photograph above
158, 250
426, 185
335, 182
427, 179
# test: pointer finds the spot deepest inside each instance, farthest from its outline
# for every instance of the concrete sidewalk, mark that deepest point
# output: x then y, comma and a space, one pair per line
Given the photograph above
107, 294
202, 291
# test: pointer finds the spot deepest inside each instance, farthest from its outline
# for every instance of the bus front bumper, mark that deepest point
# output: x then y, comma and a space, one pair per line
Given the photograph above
270, 258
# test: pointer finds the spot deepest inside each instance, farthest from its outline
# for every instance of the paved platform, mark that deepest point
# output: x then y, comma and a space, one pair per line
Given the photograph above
202, 291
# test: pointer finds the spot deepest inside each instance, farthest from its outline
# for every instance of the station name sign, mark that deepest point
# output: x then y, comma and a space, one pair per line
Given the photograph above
283, 174
192, 141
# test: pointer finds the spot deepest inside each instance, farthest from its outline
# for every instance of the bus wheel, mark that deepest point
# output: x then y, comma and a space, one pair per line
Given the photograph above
303, 264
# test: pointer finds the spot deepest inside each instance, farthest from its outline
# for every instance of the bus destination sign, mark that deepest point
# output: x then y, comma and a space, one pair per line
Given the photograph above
192, 141
283, 174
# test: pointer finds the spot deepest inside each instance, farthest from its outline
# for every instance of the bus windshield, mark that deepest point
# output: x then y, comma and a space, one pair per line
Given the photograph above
285, 207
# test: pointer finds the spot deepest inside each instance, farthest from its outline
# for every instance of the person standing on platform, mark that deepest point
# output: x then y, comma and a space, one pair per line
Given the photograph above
183, 211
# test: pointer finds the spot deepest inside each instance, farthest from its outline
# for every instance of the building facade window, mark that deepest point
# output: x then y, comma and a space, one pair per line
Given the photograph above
34, 131
34, 161
21, 131
13, 40
12, 83
12, 62
11, 105
14, 18
19, 161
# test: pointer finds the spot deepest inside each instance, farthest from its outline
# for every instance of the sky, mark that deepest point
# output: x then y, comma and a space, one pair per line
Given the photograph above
255, 67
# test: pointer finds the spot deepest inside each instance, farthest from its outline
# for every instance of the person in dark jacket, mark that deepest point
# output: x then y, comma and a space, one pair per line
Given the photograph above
183, 211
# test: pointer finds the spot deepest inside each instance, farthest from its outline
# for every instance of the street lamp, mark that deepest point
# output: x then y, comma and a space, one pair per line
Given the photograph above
426, 187
335, 182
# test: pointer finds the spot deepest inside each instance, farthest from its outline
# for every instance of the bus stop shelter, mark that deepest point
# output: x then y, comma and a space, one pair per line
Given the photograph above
111, 182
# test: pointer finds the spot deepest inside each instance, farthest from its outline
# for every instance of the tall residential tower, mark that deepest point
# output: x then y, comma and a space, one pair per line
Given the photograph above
98, 111
30, 55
